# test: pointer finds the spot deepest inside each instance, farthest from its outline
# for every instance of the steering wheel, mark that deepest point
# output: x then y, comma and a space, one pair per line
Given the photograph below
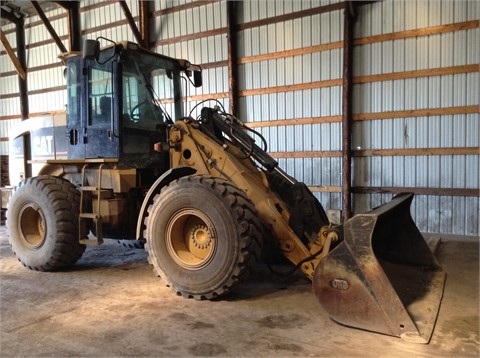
135, 113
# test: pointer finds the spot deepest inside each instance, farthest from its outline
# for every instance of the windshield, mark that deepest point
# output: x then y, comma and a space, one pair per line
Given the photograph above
151, 90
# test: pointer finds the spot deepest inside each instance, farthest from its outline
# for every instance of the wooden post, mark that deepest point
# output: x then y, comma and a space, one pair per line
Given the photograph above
21, 54
144, 7
347, 118
232, 58
74, 26
73, 8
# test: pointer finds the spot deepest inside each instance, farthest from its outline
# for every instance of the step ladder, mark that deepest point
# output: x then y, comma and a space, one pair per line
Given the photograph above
93, 213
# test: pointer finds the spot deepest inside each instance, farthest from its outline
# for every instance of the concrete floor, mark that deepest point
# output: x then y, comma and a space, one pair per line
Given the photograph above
111, 304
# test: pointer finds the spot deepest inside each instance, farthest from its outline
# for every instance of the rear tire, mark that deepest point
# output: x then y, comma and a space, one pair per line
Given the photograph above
42, 221
203, 236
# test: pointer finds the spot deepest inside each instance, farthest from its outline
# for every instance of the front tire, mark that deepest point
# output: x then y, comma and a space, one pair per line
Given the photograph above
203, 236
42, 221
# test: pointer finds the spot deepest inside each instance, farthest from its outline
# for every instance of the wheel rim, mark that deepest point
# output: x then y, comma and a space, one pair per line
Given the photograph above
32, 225
191, 239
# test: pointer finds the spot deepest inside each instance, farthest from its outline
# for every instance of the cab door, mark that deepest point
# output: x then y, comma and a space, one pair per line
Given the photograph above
75, 112
99, 135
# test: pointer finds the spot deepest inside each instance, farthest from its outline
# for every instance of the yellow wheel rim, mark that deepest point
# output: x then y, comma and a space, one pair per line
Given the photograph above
191, 239
32, 225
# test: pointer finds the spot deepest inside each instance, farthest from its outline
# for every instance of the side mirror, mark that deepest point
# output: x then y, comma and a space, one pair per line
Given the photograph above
91, 50
197, 78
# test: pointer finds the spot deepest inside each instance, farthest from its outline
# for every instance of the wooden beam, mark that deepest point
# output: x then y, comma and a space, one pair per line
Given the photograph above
73, 16
293, 15
307, 154
293, 87
294, 121
431, 72
11, 54
232, 57
423, 112
417, 191
49, 27
325, 189
347, 105
145, 15
102, 27
405, 152
290, 53
183, 7
433, 30
22, 57
74, 31
133, 25
188, 37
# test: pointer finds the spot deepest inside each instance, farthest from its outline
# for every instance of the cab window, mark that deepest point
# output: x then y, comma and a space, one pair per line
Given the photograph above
100, 97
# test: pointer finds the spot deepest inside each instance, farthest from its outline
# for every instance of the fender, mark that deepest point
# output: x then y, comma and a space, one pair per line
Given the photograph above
165, 179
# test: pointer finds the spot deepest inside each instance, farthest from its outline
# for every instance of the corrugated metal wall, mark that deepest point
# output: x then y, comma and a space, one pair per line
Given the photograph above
290, 74
416, 92
418, 62
196, 31
9, 102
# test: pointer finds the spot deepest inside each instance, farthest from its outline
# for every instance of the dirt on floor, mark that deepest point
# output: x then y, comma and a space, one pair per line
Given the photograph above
110, 304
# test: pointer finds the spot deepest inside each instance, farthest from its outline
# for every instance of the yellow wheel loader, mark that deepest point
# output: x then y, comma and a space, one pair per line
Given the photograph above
126, 162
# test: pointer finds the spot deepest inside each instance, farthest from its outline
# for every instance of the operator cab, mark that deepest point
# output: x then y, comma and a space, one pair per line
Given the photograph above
121, 101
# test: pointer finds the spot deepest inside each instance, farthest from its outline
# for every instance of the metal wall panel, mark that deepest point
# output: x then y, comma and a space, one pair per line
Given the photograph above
202, 50
294, 70
38, 79
9, 81
435, 51
45, 102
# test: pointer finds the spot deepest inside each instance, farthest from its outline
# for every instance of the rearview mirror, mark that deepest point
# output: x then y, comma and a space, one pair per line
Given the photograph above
91, 50
197, 78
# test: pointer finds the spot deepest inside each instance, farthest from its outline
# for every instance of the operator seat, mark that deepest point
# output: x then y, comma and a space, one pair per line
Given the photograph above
105, 109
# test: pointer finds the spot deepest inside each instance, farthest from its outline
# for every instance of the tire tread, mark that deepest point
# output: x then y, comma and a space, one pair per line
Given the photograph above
250, 238
64, 198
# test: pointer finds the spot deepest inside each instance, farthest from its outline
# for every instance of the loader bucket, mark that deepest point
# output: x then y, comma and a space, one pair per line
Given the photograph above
383, 276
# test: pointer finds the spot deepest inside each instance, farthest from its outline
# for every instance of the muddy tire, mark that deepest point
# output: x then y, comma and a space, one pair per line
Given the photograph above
203, 236
42, 219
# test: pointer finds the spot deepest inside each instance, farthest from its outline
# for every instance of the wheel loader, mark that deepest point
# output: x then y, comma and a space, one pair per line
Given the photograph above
126, 161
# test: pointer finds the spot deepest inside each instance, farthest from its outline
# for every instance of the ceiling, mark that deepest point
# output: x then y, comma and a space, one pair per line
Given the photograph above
19, 8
